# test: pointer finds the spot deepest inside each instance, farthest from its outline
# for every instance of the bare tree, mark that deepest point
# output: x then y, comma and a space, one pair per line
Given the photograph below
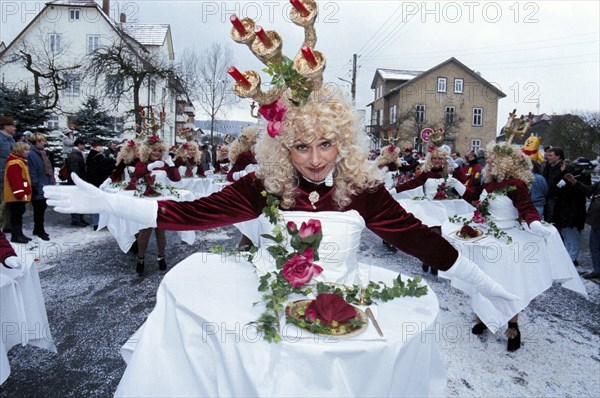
205, 77
123, 66
49, 66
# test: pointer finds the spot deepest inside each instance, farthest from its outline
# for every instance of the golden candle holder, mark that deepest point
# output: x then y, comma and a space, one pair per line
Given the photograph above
268, 54
249, 37
254, 91
314, 74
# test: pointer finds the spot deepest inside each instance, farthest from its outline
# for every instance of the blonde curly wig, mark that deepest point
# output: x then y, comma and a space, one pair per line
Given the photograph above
182, 151
438, 152
327, 115
389, 154
505, 161
244, 143
147, 148
128, 153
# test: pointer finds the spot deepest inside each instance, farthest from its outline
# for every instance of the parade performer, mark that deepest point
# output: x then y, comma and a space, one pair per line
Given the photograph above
128, 156
241, 154
187, 159
529, 258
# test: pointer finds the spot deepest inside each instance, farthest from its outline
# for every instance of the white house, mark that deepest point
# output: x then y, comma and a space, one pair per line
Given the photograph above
62, 37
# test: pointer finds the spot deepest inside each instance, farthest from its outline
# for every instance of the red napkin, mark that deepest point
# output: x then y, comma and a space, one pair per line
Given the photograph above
329, 307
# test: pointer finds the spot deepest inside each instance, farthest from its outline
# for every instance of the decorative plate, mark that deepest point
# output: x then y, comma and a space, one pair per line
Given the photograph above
480, 235
346, 329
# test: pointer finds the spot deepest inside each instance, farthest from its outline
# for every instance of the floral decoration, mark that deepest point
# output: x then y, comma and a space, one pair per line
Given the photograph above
294, 274
482, 212
445, 191
274, 113
284, 74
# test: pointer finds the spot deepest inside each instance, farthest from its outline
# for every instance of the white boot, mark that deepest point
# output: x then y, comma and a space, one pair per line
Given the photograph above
84, 198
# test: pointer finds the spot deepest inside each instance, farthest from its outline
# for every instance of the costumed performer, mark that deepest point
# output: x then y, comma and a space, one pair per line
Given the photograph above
316, 161
128, 156
241, 154
187, 158
533, 256
153, 157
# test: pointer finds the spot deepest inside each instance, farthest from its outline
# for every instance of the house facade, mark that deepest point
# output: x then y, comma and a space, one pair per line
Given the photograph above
449, 96
60, 41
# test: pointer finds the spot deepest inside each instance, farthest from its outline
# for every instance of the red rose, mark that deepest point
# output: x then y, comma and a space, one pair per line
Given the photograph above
478, 217
292, 227
440, 195
300, 269
309, 229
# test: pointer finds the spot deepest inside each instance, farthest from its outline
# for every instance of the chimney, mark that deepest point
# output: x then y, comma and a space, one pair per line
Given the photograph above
123, 17
106, 7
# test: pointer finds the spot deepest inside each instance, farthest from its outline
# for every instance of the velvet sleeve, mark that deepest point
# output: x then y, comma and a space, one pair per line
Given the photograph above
387, 219
141, 169
459, 174
522, 201
244, 160
413, 183
173, 173
240, 201
6, 250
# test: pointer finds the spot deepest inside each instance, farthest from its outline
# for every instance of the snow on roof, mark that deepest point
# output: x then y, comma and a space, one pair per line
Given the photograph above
146, 34
73, 2
395, 74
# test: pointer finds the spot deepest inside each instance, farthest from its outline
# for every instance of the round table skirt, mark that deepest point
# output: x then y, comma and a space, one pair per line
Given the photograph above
198, 342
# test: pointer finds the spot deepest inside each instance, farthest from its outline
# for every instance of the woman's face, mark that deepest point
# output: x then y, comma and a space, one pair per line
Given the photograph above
314, 160
40, 144
437, 161
156, 153
191, 151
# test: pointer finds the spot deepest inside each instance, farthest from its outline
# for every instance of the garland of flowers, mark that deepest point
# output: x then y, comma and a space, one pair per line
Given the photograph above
294, 271
482, 211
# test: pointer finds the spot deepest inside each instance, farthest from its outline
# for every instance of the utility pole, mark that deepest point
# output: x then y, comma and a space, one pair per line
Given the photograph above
353, 89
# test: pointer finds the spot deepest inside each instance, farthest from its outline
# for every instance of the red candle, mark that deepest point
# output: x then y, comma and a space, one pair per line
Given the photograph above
238, 76
300, 7
309, 56
263, 37
239, 26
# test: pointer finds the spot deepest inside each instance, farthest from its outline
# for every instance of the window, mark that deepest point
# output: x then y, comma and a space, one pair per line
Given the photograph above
477, 116
458, 85
475, 145
54, 41
441, 85
73, 84
379, 91
450, 114
52, 123
116, 124
114, 85
93, 43
152, 90
393, 114
379, 114
74, 14
420, 114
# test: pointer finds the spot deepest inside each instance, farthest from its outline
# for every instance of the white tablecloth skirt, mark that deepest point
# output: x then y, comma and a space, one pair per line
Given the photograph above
197, 342
434, 213
526, 267
23, 318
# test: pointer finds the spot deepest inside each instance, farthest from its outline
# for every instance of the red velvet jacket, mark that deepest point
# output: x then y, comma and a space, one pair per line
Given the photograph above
421, 178
189, 164
141, 170
243, 201
519, 197
243, 160
6, 250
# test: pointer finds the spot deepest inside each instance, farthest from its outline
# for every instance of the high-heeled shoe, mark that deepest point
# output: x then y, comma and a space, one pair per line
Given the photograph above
479, 328
139, 265
162, 264
514, 336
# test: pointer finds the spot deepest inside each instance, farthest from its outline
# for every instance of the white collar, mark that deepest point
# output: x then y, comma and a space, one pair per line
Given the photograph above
327, 180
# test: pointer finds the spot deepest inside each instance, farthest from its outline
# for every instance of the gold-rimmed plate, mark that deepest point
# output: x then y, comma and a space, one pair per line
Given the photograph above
297, 309
480, 235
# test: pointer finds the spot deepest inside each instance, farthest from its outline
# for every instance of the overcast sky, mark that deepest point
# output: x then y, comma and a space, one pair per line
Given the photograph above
546, 50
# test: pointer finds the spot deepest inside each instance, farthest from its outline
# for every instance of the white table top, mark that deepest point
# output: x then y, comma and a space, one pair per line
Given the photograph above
198, 341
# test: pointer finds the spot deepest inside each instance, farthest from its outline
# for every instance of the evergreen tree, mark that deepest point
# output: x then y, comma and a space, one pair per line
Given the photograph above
28, 113
93, 122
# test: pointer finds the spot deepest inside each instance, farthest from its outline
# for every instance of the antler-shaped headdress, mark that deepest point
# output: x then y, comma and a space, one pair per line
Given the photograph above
302, 75
517, 127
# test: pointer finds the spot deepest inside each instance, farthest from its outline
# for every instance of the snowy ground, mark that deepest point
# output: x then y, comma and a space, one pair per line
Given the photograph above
95, 301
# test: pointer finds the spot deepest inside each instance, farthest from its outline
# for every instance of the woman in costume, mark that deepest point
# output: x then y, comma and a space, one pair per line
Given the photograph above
154, 163
241, 154
316, 163
526, 259
128, 156
187, 158
435, 171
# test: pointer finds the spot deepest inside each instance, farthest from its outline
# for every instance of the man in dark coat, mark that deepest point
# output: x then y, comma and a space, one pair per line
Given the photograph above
98, 169
76, 164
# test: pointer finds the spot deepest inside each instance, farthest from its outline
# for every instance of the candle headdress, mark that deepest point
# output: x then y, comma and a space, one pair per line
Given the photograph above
300, 76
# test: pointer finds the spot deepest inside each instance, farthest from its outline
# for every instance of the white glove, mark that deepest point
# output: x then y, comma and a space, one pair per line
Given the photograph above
538, 228
156, 165
84, 198
469, 272
105, 184
12, 262
169, 161
459, 186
